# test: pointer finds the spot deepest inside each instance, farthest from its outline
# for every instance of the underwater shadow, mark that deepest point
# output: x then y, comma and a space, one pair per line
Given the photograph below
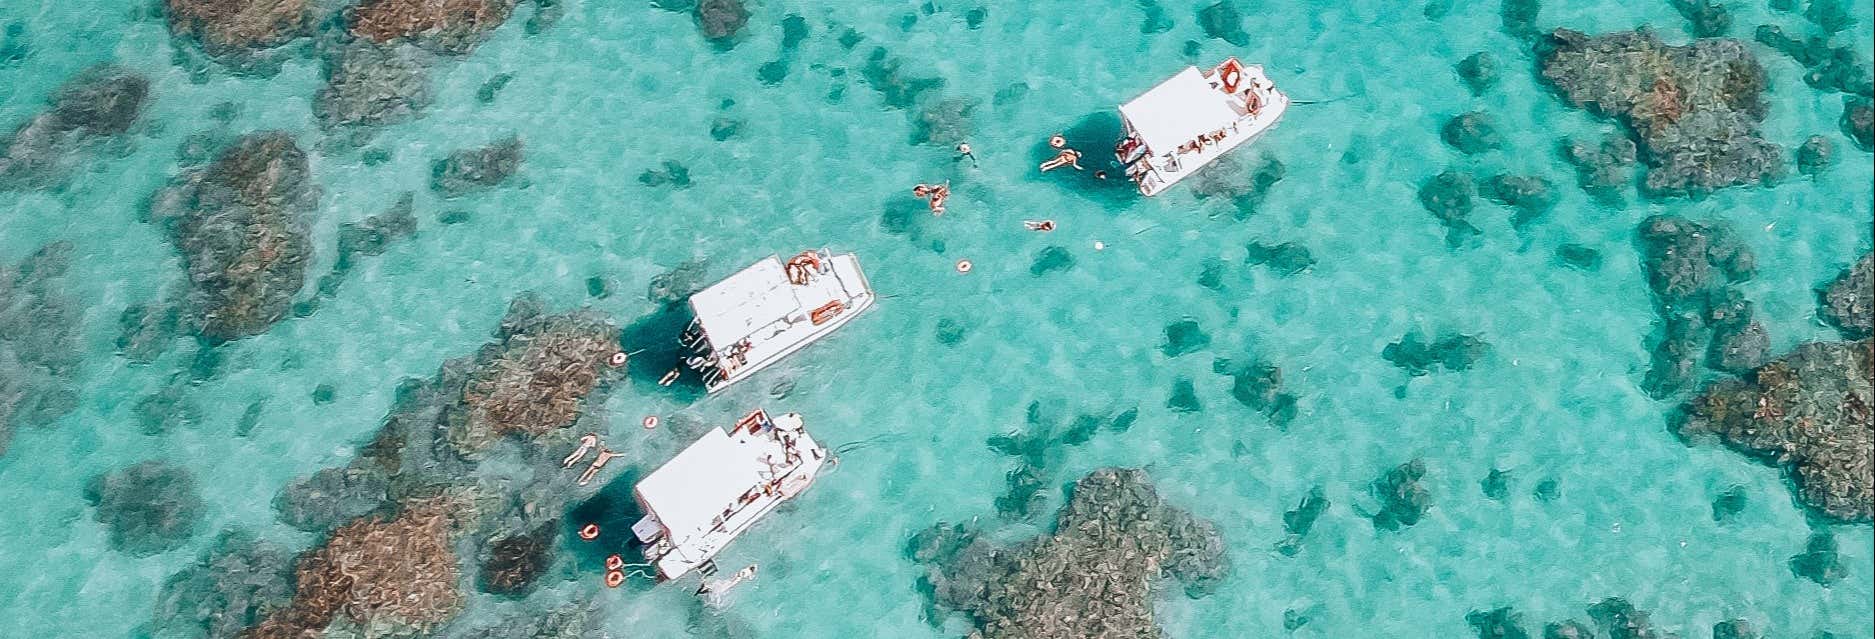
652, 341
1094, 136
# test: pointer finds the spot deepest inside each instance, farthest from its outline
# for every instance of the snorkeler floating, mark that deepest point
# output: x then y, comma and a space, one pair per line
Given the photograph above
935, 194
1039, 225
605, 455
1067, 156
963, 151
585, 444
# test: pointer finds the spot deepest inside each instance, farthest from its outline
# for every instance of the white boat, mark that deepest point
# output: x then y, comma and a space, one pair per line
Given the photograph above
709, 494
770, 310
1192, 119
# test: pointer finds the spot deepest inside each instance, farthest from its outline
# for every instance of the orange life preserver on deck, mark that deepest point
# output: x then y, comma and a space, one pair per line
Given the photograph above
1231, 75
826, 312
613, 578
589, 532
800, 266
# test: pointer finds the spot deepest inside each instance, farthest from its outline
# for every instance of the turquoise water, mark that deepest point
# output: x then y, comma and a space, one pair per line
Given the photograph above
614, 90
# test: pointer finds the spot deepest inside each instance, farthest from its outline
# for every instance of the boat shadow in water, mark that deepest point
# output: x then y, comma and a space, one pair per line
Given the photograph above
1094, 136
614, 511
655, 351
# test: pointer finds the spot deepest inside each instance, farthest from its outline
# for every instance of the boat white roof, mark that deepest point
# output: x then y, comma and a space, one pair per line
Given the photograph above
690, 491
1178, 111
734, 308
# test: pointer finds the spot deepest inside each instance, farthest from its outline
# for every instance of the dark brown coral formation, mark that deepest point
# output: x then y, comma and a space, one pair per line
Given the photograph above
1808, 412
1694, 109
232, 26
383, 574
1096, 577
451, 26
1849, 302
240, 225
536, 380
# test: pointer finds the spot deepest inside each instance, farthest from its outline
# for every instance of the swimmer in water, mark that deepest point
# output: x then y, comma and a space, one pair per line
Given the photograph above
1067, 157
585, 444
1041, 225
605, 455
1100, 175
922, 190
938, 195
670, 377
963, 150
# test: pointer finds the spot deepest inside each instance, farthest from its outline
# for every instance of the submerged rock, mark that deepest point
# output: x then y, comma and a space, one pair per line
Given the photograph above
1519, 18
721, 20
679, 283
1704, 18
1448, 196
370, 85
1500, 623
148, 508
1403, 500
1297, 523
1472, 133
1849, 302
1258, 385
1689, 266
330, 497
397, 574
1245, 187
1620, 620
535, 380
1858, 121
1819, 561
1734, 629
1827, 68
1095, 577
1184, 398
1531, 195
515, 563
369, 237
1729, 503
1479, 71
446, 26
240, 225
576, 620
464, 459
1815, 155
1453, 352
1287, 258
100, 102
1224, 22
945, 122
469, 170
1184, 336
231, 30
1579, 257
39, 349
1051, 259
1694, 109
1602, 168
233, 586
1809, 413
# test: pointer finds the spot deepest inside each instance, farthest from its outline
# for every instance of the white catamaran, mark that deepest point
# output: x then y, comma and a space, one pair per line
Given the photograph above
1194, 118
709, 494
770, 310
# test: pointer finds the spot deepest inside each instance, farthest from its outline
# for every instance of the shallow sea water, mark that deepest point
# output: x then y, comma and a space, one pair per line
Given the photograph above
615, 89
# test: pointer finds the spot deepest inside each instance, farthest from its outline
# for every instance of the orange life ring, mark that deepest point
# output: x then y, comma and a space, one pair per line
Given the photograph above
1231, 75
826, 312
613, 578
614, 562
617, 359
963, 266
651, 421
589, 532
